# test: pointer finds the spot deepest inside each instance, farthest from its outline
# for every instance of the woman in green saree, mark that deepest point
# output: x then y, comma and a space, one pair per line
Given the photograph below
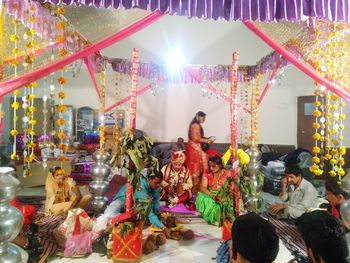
208, 202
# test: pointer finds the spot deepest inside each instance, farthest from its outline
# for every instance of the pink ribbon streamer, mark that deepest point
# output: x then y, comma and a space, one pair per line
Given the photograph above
269, 82
139, 92
14, 83
92, 75
298, 63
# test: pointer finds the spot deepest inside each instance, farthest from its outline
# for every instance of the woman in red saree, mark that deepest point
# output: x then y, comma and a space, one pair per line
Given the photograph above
196, 158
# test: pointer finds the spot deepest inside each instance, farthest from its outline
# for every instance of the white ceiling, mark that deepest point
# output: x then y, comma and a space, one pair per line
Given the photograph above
201, 42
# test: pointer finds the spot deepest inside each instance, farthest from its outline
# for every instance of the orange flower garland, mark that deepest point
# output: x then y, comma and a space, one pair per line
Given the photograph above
117, 97
329, 117
61, 108
15, 105
102, 87
254, 111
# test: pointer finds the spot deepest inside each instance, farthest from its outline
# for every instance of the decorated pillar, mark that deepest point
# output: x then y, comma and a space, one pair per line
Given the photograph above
98, 187
233, 122
101, 169
135, 68
252, 199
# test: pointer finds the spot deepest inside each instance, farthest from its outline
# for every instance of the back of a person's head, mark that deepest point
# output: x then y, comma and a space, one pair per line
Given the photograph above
255, 239
324, 236
293, 168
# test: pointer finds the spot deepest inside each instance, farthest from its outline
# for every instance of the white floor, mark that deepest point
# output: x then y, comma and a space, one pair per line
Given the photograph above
201, 250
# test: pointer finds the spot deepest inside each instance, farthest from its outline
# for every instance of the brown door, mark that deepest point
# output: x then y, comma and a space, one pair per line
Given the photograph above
305, 120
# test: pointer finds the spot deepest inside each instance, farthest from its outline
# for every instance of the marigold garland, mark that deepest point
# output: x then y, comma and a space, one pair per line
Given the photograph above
254, 111
328, 111
15, 105
116, 123
102, 86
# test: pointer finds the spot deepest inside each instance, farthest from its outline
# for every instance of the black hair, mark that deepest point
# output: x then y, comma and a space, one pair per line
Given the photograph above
293, 168
254, 238
334, 187
217, 160
158, 175
196, 120
324, 236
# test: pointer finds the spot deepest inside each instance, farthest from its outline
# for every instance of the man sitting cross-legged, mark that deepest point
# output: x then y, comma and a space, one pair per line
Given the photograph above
297, 194
177, 182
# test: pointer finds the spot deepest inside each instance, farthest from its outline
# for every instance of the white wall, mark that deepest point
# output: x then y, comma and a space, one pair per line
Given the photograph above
167, 115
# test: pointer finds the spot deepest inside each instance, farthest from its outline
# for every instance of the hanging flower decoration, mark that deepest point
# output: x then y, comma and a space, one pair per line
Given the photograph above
102, 87
15, 105
244, 101
254, 122
329, 54
116, 117
61, 94
61, 108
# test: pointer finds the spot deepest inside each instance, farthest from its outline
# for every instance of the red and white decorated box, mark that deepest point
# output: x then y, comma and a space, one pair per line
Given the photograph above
128, 249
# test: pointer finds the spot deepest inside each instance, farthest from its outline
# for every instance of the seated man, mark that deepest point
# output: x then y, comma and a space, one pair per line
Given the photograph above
177, 182
253, 240
163, 151
149, 190
324, 237
298, 198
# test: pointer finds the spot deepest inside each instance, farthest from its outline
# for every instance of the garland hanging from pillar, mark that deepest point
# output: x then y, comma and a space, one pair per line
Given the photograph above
102, 91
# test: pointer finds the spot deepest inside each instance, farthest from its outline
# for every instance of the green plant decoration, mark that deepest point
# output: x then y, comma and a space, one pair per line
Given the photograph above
246, 186
225, 197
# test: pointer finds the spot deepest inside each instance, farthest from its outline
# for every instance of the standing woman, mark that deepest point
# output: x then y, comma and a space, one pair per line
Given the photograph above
196, 158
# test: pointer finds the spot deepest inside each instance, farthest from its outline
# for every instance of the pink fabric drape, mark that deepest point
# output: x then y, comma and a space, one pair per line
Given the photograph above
298, 63
92, 75
139, 92
14, 83
269, 82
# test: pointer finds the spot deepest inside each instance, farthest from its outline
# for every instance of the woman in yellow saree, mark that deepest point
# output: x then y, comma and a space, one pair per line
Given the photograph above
62, 193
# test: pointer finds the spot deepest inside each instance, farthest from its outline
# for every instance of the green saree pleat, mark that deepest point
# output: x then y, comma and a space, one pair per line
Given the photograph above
209, 209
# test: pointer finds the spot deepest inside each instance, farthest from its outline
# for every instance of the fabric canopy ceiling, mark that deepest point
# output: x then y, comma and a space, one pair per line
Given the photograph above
295, 32
253, 10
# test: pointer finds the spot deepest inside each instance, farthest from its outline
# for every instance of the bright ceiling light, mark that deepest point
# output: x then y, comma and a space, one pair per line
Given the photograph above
175, 61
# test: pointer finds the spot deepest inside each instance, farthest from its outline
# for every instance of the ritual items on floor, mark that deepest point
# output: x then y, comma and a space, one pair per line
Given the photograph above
77, 230
152, 242
174, 230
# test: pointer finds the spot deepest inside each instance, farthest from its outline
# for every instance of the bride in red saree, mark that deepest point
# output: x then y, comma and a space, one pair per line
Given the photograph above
196, 158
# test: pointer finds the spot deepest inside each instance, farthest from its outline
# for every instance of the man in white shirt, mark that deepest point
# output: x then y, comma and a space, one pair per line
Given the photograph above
297, 194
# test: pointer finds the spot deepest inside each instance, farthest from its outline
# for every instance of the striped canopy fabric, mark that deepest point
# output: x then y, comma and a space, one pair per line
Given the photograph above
253, 10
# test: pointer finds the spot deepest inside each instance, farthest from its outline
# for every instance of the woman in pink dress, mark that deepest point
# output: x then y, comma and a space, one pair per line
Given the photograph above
196, 158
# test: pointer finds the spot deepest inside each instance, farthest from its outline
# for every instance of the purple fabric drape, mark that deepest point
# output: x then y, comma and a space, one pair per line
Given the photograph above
210, 73
253, 10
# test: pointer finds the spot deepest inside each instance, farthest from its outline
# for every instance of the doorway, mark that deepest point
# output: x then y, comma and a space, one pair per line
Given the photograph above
305, 119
